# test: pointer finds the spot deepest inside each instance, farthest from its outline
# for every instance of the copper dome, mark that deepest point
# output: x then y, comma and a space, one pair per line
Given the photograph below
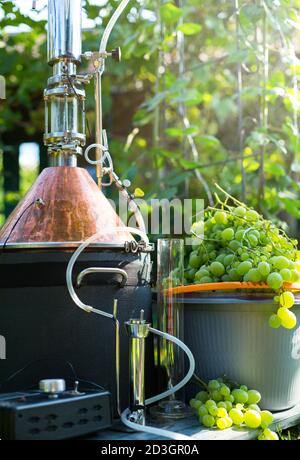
74, 209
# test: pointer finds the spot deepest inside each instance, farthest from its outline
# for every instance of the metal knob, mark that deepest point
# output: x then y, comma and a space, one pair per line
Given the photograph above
116, 54
52, 386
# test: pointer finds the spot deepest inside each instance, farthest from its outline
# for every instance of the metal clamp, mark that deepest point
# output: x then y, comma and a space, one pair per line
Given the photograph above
90, 270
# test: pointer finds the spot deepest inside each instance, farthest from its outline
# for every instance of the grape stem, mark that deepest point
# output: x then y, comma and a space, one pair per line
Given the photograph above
199, 381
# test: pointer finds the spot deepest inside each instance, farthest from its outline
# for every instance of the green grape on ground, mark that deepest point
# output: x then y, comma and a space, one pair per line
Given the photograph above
237, 407
252, 418
208, 421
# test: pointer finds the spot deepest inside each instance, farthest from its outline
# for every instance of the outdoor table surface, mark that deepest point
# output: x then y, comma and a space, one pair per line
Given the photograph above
190, 427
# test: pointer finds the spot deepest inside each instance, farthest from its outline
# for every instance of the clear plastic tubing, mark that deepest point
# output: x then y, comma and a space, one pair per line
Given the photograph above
75, 256
165, 394
111, 24
179, 343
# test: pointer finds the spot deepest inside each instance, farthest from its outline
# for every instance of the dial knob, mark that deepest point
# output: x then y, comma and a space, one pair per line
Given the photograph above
52, 386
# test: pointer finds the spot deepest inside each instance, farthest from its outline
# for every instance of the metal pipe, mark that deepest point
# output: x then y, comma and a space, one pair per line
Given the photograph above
138, 331
98, 121
64, 30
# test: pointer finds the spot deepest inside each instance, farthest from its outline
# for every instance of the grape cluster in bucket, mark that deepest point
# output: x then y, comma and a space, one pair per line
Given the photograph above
235, 243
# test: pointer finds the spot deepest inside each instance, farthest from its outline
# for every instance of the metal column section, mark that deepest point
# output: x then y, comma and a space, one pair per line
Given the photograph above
64, 30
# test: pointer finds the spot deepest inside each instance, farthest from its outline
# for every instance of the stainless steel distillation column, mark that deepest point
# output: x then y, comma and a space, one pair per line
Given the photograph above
138, 331
65, 95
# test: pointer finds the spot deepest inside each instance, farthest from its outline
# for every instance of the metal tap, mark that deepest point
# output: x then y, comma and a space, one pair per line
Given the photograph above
137, 330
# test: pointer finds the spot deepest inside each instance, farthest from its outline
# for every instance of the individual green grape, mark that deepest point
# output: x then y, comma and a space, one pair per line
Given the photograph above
225, 390
205, 279
228, 405
244, 267
225, 277
197, 404
213, 410
254, 407
266, 416
270, 435
201, 273
229, 398
281, 262
228, 421
253, 397
288, 319
236, 416
240, 396
221, 404
264, 268
252, 418
252, 240
233, 275
286, 274
190, 274
227, 234
252, 215
216, 395
239, 235
195, 260
202, 396
210, 403
239, 211
217, 269
274, 321
208, 421
295, 276
192, 403
254, 275
287, 299
202, 411
243, 387
222, 412
274, 281
222, 423
244, 256
220, 217
228, 260
234, 245
214, 385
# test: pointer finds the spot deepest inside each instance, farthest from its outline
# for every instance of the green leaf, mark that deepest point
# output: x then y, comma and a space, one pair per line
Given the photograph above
208, 141
189, 28
170, 13
186, 164
174, 132
274, 169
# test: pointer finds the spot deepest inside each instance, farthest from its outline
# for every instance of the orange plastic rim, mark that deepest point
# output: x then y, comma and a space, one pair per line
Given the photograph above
227, 286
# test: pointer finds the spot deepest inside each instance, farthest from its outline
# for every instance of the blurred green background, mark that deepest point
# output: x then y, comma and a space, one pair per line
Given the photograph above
207, 92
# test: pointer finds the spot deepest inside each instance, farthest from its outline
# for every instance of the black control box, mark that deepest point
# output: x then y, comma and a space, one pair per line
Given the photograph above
34, 415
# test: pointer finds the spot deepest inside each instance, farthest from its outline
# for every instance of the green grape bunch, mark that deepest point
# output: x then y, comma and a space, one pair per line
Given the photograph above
222, 406
241, 245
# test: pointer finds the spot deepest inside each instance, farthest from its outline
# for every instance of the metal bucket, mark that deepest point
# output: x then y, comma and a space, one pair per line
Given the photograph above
229, 334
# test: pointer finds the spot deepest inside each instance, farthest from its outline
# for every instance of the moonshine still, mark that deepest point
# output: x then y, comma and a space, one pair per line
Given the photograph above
64, 245
62, 209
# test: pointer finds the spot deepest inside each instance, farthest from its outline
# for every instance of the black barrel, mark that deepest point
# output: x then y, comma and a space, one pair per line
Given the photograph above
44, 329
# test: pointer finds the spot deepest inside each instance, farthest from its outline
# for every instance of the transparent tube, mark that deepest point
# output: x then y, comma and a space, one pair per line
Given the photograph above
188, 376
184, 381
152, 430
75, 256
111, 24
